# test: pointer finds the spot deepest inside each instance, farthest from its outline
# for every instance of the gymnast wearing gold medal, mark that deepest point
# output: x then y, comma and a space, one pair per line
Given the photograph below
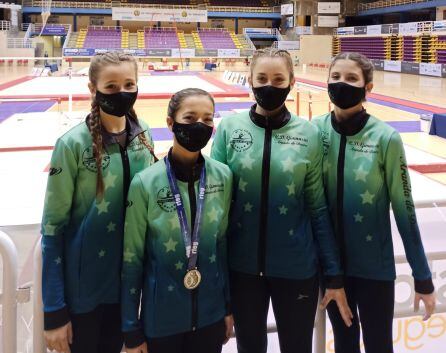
175, 242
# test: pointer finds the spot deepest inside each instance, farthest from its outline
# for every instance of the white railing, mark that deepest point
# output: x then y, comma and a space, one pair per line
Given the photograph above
389, 3
5, 25
29, 31
38, 341
8, 301
251, 44
276, 32
24, 26
19, 43
108, 5
67, 38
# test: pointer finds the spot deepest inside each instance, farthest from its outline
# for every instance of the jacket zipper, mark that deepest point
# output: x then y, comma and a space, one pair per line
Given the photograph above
266, 164
340, 199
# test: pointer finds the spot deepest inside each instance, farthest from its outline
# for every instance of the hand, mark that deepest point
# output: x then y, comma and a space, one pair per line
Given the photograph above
59, 339
140, 349
429, 304
229, 323
338, 295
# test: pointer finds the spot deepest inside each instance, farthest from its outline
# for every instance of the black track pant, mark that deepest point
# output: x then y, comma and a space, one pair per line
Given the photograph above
208, 339
294, 305
98, 331
372, 304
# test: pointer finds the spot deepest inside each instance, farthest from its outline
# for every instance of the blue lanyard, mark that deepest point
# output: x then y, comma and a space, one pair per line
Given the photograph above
190, 244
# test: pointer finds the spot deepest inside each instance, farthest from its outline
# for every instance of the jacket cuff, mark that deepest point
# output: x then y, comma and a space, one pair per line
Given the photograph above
425, 286
228, 309
134, 338
55, 319
334, 282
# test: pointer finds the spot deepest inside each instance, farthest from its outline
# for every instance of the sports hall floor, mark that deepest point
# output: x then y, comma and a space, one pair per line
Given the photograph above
34, 111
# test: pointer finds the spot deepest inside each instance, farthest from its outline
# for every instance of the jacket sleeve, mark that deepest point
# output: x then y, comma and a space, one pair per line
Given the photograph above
222, 249
135, 230
219, 150
400, 192
321, 222
56, 216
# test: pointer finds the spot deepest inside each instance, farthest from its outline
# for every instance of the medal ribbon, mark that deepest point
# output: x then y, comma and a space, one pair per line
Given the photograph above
191, 244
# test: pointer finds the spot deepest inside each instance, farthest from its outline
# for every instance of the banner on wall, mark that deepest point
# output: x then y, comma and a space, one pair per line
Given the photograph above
206, 52
304, 30
79, 51
288, 44
439, 26
136, 52
378, 64
153, 14
430, 69
346, 30
374, 30
408, 28
287, 9
183, 52
54, 30
258, 31
159, 52
410, 67
394, 66
329, 7
360, 30
328, 21
390, 28
228, 53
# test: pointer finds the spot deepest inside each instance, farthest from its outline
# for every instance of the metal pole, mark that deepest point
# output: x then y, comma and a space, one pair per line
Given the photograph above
297, 102
38, 341
8, 253
310, 112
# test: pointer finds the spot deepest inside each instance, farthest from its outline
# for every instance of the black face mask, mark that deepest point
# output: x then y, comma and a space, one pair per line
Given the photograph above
344, 95
192, 137
116, 104
270, 97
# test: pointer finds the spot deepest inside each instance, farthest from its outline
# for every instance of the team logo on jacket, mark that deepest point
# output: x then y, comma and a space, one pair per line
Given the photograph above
165, 199
136, 146
55, 171
241, 140
89, 161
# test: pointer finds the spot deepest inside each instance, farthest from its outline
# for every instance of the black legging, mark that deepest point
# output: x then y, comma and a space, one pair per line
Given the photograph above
294, 305
372, 304
98, 331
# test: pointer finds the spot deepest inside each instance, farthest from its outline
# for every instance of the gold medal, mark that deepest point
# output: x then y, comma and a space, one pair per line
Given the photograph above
192, 279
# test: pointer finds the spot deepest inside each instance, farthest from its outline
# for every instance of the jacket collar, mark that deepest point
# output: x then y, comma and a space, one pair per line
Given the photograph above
186, 173
275, 122
131, 126
352, 125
